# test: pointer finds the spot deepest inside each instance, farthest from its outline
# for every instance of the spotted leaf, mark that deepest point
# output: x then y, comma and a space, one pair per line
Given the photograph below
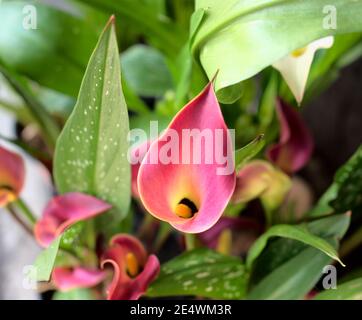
91, 152
201, 272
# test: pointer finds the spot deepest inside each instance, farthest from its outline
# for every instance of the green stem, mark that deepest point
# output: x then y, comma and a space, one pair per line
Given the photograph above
146, 223
268, 216
14, 214
190, 241
21, 113
26, 211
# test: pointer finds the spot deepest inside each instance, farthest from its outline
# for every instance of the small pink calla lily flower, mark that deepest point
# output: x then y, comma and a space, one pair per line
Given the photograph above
259, 179
296, 65
295, 145
133, 270
190, 195
12, 175
65, 210
68, 278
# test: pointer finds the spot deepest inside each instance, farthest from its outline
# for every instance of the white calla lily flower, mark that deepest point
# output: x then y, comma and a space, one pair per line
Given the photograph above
296, 65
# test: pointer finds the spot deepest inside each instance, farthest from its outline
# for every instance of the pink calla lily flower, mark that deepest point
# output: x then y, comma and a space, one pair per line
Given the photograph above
188, 194
65, 210
12, 175
133, 270
295, 145
68, 278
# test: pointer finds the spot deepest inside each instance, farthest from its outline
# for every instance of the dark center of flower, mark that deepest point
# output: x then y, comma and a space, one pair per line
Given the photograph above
6, 188
186, 208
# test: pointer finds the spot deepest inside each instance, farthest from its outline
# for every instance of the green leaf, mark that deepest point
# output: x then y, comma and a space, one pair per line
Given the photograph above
351, 290
299, 233
289, 269
249, 151
71, 239
44, 263
54, 54
231, 94
345, 192
145, 70
349, 180
158, 29
75, 294
91, 152
236, 34
134, 103
293, 279
201, 272
43, 119
267, 103
196, 20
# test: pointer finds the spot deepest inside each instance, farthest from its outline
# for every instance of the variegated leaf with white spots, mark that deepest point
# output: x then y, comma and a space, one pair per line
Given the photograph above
91, 152
201, 272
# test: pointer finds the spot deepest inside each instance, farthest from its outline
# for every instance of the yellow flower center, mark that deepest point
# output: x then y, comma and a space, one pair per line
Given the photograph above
185, 209
299, 52
132, 264
6, 196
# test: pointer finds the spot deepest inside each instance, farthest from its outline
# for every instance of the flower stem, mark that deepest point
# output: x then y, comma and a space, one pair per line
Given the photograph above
20, 221
190, 241
145, 226
26, 211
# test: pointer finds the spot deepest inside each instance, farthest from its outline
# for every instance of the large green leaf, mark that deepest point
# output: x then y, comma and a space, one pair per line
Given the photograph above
201, 272
351, 290
91, 152
299, 233
289, 269
241, 37
293, 279
146, 71
55, 54
345, 192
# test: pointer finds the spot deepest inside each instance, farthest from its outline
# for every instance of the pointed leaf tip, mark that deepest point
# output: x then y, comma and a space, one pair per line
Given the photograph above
112, 20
